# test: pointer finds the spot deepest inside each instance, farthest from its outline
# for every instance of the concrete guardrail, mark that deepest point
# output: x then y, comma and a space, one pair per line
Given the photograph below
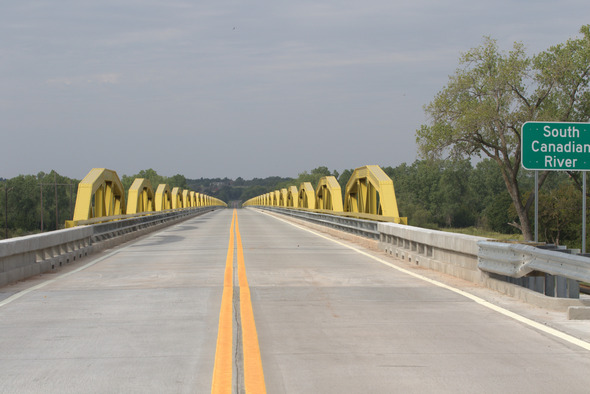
24, 257
541, 277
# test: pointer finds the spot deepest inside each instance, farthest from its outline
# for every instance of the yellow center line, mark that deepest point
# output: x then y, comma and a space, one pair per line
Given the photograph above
253, 372
222, 371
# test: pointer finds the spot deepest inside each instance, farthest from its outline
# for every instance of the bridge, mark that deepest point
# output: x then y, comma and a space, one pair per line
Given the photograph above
283, 298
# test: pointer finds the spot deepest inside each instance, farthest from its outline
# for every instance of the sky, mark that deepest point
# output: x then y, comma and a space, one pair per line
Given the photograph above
231, 88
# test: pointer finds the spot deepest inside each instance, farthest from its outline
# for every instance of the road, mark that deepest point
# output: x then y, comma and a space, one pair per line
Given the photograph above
316, 314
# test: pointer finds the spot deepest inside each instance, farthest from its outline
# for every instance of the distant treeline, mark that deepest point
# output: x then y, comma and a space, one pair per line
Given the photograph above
431, 193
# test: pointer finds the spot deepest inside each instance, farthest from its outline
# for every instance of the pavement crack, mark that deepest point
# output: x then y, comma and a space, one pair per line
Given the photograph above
239, 386
238, 353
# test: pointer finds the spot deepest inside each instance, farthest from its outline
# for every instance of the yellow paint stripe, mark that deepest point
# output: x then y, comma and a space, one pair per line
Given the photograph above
253, 372
222, 371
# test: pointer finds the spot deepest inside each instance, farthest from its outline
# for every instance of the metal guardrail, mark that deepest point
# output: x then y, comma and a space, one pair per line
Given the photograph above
23, 257
550, 272
518, 260
137, 222
364, 228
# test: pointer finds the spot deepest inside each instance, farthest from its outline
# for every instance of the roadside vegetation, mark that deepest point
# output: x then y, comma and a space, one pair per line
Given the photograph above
469, 177
438, 194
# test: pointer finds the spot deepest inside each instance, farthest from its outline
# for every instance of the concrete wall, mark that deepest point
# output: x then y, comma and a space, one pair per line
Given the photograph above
458, 255
24, 257
31, 255
453, 254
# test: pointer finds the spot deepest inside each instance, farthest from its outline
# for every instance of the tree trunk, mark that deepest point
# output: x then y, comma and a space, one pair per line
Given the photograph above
511, 182
523, 217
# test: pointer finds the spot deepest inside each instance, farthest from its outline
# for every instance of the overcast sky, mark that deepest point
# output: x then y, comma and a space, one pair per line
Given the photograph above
239, 88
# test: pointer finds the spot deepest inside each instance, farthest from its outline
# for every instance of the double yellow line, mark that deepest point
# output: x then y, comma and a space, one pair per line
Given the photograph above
222, 371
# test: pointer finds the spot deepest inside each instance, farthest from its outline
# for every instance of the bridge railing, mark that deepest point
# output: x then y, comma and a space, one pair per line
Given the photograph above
23, 257
542, 277
101, 220
369, 195
101, 198
363, 228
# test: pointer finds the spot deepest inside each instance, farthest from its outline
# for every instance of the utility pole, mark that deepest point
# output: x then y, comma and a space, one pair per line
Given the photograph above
56, 212
41, 187
55, 185
6, 209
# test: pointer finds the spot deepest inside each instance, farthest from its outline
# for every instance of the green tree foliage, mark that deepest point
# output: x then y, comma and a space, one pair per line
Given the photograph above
434, 193
155, 179
482, 108
560, 211
343, 180
314, 176
253, 191
431, 193
32, 198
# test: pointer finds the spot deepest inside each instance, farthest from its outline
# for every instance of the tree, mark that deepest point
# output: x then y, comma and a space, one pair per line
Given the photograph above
455, 200
560, 213
482, 109
313, 177
24, 202
253, 191
343, 180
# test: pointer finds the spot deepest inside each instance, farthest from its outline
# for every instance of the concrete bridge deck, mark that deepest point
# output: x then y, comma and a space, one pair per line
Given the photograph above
144, 317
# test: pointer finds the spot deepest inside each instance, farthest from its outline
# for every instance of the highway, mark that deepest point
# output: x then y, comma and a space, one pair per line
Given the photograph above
238, 299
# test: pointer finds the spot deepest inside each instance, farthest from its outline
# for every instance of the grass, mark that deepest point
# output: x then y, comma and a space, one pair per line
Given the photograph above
484, 233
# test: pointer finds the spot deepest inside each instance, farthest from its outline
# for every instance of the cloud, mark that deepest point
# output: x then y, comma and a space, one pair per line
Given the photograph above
150, 36
86, 80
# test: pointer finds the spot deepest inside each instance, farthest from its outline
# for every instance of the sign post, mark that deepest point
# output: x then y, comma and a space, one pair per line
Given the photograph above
584, 213
557, 146
536, 205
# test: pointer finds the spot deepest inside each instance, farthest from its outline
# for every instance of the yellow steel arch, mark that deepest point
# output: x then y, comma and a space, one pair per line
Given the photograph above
163, 197
275, 198
370, 190
186, 201
193, 198
218, 202
292, 197
104, 188
140, 197
328, 195
306, 196
177, 198
283, 197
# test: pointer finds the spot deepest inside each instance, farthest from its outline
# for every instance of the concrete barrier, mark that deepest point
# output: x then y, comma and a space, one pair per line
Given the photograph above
461, 255
453, 254
24, 257
31, 255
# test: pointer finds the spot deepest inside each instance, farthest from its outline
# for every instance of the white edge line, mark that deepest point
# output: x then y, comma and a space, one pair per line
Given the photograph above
22, 293
548, 330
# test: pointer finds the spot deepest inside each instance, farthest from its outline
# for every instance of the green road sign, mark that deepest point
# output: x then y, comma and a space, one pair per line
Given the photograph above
557, 146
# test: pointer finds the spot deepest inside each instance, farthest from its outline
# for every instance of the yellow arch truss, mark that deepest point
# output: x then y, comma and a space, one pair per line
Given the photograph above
370, 190
306, 196
100, 194
369, 195
177, 198
328, 195
163, 197
140, 197
292, 197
